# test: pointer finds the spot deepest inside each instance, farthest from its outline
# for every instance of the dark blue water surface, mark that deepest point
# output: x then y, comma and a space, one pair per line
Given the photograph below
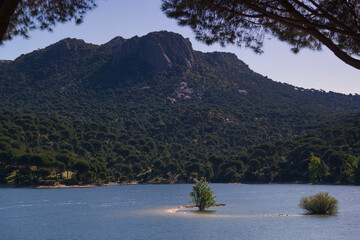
143, 212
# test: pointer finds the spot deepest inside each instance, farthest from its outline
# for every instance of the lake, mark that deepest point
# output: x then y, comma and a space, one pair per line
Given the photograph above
146, 212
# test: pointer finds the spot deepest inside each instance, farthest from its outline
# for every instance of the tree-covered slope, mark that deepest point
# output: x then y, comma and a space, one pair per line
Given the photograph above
41, 150
332, 156
196, 106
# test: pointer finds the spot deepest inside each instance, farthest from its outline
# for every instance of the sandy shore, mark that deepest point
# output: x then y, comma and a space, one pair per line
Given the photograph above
179, 208
65, 186
69, 186
172, 210
86, 185
115, 183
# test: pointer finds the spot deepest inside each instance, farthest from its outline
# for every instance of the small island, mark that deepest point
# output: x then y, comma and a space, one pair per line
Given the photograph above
319, 204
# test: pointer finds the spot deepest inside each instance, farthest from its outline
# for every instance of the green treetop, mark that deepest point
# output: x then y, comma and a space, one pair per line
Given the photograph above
202, 195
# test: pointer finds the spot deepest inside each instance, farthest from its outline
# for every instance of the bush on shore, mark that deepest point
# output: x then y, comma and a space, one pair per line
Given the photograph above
320, 203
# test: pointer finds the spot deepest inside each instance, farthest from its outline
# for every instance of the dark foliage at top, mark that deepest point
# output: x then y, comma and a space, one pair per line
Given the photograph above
18, 17
301, 24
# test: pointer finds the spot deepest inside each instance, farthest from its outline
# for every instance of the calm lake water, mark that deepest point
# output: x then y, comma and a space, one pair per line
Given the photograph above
142, 212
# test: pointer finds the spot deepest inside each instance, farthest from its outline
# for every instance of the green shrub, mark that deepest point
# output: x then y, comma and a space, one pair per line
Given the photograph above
202, 195
320, 203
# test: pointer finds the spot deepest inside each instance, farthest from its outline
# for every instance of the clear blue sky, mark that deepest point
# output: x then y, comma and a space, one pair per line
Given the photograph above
127, 18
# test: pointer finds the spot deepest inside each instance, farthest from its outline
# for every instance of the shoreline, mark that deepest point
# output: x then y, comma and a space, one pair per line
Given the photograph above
143, 183
65, 186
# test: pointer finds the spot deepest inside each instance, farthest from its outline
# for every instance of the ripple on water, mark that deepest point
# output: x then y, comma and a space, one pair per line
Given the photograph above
178, 211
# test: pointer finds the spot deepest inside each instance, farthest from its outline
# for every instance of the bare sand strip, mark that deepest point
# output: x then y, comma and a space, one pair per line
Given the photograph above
179, 208
174, 210
67, 186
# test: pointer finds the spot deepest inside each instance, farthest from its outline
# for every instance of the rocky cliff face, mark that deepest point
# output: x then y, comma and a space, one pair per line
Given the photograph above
70, 47
161, 50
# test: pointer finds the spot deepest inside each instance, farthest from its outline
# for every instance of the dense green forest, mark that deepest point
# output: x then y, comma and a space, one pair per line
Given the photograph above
129, 110
42, 150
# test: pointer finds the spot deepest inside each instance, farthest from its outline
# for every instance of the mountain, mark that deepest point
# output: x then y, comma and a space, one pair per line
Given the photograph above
195, 109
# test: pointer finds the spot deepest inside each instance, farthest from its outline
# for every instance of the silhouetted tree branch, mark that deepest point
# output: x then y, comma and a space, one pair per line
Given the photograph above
300, 23
18, 17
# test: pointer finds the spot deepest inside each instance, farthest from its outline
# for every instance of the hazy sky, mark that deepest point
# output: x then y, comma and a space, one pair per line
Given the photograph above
127, 18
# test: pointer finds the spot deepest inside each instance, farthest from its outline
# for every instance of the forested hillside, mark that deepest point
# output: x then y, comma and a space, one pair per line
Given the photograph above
153, 109
37, 150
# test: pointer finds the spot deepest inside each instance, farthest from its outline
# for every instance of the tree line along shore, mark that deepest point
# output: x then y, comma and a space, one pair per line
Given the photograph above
47, 151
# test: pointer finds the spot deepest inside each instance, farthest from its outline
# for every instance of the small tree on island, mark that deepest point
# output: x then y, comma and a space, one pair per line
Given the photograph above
202, 195
320, 203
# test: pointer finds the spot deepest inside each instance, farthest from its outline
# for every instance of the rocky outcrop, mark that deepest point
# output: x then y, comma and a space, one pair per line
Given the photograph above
162, 50
112, 45
70, 47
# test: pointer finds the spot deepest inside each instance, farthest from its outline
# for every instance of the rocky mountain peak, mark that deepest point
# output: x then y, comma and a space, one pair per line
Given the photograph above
114, 43
162, 50
69, 47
